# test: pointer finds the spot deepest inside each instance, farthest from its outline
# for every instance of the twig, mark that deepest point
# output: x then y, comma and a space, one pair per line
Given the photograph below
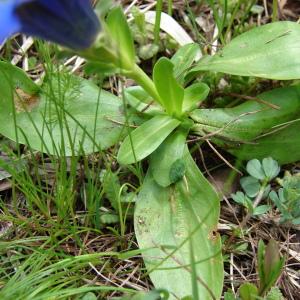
274, 106
218, 131
223, 158
120, 123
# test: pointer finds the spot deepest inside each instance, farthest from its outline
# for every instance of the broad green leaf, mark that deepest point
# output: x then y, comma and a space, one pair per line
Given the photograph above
169, 90
194, 95
167, 219
253, 129
67, 116
248, 291
94, 67
250, 119
270, 51
121, 38
283, 145
146, 138
140, 100
11, 73
183, 60
167, 153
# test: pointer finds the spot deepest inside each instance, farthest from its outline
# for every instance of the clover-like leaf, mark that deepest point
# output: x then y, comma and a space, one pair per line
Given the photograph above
254, 168
239, 197
261, 209
250, 185
270, 167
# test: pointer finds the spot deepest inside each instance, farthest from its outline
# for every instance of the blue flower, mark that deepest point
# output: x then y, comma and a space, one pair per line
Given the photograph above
70, 23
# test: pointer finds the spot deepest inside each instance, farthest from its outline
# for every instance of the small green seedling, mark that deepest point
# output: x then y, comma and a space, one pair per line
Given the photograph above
151, 295
287, 199
269, 265
256, 186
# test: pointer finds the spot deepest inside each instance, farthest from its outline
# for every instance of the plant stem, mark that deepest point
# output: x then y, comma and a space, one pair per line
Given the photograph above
256, 202
170, 7
159, 6
275, 11
144, 81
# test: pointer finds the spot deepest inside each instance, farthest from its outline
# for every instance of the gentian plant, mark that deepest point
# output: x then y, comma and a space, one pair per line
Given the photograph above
177, 210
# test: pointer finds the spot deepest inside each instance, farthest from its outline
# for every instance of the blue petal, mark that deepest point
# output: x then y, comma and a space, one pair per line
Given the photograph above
71, 23
9, 23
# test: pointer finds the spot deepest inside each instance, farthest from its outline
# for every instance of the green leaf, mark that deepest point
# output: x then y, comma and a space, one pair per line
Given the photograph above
169, 90
121, 38
167, 219
138, 93
247, 121
274, 294
183, 60
69, 115
261, 209
89, 296
229, 296
102, 7
270, 51
151, 295
271, 257
276, 143
146, 138
248, 291
162, 160
254, 168
18, 77
250, 185
194, 95
140, 100
296, 221
177, 170
240, 198
260, 262
93, 67
274, 197
111, 187
270, 167
147, 51
273, 265
107, 218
